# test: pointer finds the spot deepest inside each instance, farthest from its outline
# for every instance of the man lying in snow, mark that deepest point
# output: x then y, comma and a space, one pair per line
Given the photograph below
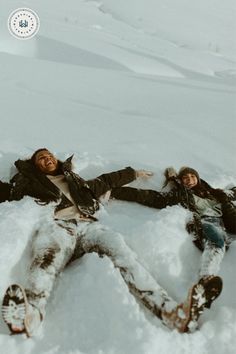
214, 215
68, 230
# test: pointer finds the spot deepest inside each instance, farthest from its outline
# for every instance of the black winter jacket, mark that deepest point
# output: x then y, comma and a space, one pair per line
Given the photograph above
183, 196
30, 181
5, 190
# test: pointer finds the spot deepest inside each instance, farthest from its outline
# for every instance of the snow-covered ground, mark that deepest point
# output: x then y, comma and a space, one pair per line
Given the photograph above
144, 83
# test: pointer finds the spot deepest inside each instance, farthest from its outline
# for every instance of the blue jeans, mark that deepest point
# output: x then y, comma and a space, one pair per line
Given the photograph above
213, 230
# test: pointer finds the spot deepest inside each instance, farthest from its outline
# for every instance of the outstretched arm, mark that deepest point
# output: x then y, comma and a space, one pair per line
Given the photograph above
108, 181
146, 197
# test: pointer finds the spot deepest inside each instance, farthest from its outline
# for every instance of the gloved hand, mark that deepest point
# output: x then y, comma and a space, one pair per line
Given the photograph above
170, 173
143, 173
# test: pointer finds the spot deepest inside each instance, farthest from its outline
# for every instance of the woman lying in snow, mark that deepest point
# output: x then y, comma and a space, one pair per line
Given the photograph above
213, 224
72, 230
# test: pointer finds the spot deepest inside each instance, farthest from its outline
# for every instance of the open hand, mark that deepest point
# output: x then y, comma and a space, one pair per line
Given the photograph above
143, 174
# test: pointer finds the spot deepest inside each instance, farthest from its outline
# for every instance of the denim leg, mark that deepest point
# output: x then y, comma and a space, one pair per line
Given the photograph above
214, 249
212, 257
213, 231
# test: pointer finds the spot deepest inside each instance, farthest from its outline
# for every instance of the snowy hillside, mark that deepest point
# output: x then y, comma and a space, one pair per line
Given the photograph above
147, 84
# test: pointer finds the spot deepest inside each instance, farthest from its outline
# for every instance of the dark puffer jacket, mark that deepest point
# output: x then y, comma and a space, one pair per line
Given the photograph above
183, 196
5, 190
30, 181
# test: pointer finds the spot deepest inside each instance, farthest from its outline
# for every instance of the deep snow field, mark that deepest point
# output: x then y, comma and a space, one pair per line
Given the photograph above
141, 83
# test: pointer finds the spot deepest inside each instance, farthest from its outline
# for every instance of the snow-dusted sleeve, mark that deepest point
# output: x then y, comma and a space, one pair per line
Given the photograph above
108, 181
5, 190
146, 197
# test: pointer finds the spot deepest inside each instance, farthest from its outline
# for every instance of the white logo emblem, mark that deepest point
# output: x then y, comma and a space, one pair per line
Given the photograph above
23, 23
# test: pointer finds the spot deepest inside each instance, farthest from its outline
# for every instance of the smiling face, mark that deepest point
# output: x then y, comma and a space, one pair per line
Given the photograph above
46, 162
189, 180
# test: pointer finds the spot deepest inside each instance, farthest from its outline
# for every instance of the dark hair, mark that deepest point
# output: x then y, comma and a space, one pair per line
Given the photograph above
185, 170
204, 190
33, 157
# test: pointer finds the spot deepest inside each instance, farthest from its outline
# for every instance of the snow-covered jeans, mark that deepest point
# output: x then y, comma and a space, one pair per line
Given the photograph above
56, 243
214, 248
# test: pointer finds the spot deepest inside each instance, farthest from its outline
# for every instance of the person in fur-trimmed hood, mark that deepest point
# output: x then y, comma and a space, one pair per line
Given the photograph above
213, 224
69, 228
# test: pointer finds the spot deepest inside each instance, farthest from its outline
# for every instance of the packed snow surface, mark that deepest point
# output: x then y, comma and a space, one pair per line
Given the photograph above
141, 83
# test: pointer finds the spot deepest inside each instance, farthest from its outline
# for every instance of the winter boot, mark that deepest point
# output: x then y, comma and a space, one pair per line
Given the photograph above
185, 316
18, 313
213, 286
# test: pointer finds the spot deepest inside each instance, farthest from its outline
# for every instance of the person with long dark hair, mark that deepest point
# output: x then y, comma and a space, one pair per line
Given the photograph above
213, 222
68, 229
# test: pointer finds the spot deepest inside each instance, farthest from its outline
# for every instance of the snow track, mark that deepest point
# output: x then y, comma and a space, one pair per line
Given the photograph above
121, 84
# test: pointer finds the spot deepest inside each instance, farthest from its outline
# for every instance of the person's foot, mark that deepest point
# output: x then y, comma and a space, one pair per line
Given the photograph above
213, 286
18, 313
185, 316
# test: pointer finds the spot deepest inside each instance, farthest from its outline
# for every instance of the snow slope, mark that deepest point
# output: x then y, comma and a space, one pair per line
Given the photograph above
143, 83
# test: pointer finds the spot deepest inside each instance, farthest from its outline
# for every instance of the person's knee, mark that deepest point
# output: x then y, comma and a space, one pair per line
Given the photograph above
45, 259
214, 234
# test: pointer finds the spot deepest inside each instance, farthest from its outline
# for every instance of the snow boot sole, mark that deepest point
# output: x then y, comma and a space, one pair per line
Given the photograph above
185, 316
213, 286
201, 296
17, 313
